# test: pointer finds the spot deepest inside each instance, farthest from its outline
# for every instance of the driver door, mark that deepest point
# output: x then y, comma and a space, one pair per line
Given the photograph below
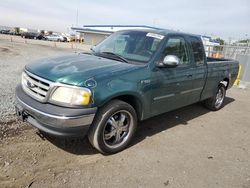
171, 86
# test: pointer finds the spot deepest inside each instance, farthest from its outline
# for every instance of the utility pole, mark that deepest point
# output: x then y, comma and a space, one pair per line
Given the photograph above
76, 17
154, 22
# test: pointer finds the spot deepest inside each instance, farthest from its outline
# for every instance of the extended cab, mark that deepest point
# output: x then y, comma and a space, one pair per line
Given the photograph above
132, 75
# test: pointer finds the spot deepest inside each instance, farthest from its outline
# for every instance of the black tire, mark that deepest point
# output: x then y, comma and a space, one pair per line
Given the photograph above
213, 103
102, 127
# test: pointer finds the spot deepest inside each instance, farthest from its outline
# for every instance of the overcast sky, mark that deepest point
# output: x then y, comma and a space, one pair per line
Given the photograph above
224, 18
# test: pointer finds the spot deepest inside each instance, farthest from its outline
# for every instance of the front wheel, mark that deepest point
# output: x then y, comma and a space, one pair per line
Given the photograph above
113, 127
217, 101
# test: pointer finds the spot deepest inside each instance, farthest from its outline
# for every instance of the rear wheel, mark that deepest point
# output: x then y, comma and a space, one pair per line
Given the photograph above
113, 127
217, 101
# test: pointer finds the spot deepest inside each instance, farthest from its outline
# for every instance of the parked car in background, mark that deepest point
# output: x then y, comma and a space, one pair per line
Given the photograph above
73, 37
41, 36
79, 38
12, 32
15, 31
29, 35
55, 37
5, 31
67, 37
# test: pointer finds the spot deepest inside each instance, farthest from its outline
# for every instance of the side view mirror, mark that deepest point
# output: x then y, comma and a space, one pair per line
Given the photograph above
171, 61
93, 48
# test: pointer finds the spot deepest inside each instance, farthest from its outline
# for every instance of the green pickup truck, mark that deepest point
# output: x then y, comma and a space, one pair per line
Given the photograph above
131, 76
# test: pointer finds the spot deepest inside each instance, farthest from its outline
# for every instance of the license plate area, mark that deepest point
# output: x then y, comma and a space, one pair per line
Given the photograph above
21, 114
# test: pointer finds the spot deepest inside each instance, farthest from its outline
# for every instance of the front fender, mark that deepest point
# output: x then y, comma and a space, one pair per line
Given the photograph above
115, 88
119, 88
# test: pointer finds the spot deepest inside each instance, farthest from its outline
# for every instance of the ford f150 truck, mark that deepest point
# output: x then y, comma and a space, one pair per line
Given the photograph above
130, 76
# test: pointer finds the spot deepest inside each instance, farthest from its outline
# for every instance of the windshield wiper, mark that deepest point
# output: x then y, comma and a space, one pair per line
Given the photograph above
88, 53
116, 56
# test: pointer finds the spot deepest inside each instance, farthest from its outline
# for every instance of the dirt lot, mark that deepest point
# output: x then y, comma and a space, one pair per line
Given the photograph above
190, 147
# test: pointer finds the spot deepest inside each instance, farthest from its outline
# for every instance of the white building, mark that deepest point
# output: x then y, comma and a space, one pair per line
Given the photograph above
93, 34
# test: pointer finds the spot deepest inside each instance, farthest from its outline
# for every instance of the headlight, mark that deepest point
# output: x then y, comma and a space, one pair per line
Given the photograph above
71, 96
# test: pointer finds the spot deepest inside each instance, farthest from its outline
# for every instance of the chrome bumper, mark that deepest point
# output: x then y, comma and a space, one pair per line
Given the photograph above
54, 120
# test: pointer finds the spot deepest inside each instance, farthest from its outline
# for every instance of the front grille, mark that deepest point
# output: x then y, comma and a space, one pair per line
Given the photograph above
35, 86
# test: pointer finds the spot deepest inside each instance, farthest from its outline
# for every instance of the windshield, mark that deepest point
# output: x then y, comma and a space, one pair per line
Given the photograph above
131, 45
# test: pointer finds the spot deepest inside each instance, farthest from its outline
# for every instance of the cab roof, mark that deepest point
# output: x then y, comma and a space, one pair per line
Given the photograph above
161, 31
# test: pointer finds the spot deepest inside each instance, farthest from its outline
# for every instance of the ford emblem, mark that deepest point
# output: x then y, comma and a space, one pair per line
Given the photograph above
30, 85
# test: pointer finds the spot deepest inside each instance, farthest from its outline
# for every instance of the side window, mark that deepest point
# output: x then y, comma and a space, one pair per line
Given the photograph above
155, 44
197, 50
177, 46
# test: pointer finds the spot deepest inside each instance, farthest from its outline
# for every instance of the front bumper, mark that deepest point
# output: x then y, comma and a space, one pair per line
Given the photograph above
53, 119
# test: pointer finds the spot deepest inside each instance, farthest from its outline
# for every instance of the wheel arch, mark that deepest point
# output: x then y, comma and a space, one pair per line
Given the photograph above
131, 99
225, 82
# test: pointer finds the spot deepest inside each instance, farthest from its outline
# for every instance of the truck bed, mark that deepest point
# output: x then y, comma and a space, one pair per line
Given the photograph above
219, 70
212, 59
224, 65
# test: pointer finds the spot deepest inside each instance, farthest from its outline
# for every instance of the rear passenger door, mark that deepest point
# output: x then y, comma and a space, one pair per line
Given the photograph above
200, 68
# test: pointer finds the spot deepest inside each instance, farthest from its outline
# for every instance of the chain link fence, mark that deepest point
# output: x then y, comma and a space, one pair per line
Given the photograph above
226, 51
239, 53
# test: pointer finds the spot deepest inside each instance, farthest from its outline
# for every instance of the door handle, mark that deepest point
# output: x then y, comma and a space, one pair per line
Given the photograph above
189, 75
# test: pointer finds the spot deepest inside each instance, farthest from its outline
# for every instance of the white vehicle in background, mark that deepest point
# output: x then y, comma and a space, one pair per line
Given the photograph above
55, 37
67, 37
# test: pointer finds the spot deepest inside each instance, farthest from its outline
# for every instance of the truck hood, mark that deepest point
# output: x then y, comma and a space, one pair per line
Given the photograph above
75, 69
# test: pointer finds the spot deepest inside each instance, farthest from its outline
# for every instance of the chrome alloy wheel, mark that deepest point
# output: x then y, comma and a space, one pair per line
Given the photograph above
219, 97
117, 129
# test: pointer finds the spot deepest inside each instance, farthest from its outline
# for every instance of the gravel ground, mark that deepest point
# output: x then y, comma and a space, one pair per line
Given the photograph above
190, 147
14, 56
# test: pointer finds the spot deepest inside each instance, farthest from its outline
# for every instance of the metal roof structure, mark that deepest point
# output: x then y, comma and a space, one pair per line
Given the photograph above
109, 29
